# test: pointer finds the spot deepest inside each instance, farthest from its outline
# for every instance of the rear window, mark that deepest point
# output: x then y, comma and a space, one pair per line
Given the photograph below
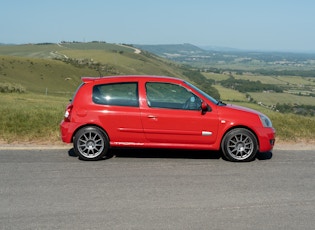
120, 94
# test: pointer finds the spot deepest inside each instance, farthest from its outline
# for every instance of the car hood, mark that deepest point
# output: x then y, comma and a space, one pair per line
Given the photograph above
241, 108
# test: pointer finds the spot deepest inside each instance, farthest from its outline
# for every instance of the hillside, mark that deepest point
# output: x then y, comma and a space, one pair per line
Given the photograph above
59, 67
40, 75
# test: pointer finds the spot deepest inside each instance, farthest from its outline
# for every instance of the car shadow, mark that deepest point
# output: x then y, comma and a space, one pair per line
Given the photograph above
71, 153
166, 153
156, 153
264, 156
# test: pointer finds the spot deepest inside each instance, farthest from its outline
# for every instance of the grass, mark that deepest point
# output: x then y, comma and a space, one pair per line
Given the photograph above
35, 118
292, 127
30, 117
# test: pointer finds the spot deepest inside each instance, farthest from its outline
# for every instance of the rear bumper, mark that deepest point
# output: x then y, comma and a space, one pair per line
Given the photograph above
66, 131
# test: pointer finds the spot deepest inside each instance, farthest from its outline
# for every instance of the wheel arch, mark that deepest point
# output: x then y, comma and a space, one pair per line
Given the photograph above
89, 125
242, 127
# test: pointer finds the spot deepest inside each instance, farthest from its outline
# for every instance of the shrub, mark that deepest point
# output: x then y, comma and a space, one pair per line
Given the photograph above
11, 88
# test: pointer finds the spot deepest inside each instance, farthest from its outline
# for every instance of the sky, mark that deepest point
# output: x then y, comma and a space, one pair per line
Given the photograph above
265, 25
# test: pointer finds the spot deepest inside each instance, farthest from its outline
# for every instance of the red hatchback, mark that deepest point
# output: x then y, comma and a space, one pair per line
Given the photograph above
160, 112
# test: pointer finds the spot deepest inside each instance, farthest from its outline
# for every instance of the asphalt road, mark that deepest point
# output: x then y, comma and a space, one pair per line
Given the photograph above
52, 189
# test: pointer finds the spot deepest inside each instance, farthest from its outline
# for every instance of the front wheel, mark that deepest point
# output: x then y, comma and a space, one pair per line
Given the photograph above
90, 143
239, 145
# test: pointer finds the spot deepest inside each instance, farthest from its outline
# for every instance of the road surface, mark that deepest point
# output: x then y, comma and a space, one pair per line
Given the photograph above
152, 189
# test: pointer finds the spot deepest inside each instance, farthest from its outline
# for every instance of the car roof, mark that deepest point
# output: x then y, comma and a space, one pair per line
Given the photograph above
129, 77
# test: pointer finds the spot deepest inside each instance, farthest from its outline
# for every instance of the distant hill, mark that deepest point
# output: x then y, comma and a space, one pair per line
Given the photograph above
220, 49
172, 49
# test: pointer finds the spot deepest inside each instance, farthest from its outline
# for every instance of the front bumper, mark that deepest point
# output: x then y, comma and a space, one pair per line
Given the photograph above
266, 138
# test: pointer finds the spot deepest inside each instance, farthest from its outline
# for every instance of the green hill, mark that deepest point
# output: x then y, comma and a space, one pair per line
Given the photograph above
38, 75
59, 67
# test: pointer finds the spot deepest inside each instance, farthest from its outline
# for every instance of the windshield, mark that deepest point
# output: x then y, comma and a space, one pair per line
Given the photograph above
203, 93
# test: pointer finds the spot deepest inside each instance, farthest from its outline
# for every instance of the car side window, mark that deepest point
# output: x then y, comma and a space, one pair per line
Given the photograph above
120, 94
171, 96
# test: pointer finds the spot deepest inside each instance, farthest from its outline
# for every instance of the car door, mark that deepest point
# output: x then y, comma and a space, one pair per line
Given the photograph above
119, 113
173, 115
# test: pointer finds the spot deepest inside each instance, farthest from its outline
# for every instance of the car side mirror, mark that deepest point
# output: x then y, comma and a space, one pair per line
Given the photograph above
205, 107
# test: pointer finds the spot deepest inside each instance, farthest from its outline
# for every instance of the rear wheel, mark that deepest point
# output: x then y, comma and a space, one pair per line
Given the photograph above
239, 145
91, 143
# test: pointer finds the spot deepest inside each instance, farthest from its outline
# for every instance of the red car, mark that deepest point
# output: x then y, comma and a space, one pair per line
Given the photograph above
160, 112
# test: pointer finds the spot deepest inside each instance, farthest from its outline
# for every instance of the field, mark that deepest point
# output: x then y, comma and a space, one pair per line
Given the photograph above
296, 81
50, 74
296, 89
230, 94
282, 98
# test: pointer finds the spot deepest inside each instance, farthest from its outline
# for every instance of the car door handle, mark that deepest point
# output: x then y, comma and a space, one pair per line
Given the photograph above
152, 117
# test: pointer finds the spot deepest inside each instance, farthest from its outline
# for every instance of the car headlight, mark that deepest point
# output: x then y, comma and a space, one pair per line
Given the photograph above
266, 122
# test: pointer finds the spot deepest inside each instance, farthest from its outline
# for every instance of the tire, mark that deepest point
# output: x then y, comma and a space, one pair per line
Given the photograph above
91, 143
239, 145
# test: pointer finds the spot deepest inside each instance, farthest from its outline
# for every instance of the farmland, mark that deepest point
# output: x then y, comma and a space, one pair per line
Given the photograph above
296, 89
